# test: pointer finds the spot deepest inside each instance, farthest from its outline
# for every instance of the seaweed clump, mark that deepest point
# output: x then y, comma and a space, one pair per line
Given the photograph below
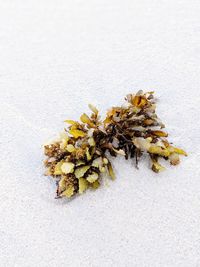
79, 157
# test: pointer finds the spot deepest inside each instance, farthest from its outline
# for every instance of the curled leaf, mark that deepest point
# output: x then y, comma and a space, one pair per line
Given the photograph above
67, 167
91, 178
68, 192
77, 133
111, 172
62, 183
85, 119
71, 122
80, 171
157, 167
96, 184
177, 150
139, 101
57, 170
93, 108
70, 148
159, 133
153, 149
88, 156
83, 185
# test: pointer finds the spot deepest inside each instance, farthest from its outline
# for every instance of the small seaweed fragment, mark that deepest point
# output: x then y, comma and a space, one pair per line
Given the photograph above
134, 128
78, 158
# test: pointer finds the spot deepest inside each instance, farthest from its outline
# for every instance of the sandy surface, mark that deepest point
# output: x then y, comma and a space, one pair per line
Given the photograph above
57, 56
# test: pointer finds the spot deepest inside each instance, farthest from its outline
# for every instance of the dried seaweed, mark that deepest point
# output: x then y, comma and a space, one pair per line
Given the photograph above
76, 159
79, 157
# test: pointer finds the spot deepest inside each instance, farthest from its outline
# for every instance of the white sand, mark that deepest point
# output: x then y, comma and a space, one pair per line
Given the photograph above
57, 56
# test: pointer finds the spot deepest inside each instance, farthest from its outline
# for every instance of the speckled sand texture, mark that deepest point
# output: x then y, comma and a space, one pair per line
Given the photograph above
57, 56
